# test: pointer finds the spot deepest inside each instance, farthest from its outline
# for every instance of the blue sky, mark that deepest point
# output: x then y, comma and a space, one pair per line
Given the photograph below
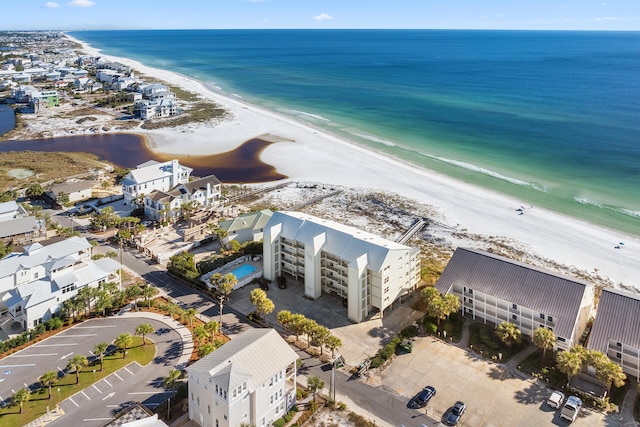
224, 14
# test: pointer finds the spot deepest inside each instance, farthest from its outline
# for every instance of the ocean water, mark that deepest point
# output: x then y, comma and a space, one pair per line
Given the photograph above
552, 118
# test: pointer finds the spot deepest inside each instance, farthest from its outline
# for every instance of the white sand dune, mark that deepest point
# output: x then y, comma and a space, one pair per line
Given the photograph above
321, 157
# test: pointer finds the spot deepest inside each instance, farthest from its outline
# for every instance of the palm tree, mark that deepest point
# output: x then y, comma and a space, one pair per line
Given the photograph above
428, 294
284, 317
314, 384
21, 397
569, 363
206, 349
307, 327
104, 301
320, 335
212, 327
333, 343
149, 292
200, 333
189, 315
77, 362
297, 324
544, 339
99, 350
123, 342
263, 304
610, 373
47, 379
508, 333
170, 382
144, 329
223, 286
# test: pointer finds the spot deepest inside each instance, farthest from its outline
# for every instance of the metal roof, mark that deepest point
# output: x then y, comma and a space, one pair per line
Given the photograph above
254, 355
253, 220
17, 226
518, 283
347, 243
201, 183
617, 319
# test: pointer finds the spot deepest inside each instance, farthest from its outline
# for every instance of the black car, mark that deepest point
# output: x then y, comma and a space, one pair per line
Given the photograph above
162, 331
455, 413
422, 398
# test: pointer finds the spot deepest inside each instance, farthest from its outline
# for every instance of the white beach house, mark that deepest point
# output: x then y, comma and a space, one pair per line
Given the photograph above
34, 284
368, 271
151, 176
251, 380
201, 193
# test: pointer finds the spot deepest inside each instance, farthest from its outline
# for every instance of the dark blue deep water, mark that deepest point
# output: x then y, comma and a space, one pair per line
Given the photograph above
552, 118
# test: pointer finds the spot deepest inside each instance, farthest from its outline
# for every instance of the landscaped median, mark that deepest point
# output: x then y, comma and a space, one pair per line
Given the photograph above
62, 388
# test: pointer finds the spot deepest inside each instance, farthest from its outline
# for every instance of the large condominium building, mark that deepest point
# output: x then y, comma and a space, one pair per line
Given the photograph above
151, 176
496, 289
251, 380
34, 284
368, 271
616, 329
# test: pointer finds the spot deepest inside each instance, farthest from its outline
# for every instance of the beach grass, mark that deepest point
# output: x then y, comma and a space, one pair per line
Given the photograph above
47, 166
66, 386
198, 112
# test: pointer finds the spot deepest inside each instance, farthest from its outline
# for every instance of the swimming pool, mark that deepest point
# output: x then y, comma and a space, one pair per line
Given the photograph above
243, 271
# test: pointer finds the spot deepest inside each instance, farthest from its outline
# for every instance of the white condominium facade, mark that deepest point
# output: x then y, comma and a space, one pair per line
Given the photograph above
368, 271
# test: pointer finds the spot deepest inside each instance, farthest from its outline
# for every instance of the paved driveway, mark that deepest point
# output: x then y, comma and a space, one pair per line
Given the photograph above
494, 395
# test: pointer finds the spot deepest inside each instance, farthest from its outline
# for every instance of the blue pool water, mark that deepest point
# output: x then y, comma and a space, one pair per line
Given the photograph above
243, 271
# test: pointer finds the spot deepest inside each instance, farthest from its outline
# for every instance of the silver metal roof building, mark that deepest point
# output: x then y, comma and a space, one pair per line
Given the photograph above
545, 294
616, 329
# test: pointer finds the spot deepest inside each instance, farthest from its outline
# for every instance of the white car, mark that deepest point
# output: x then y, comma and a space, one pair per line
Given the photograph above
556, 399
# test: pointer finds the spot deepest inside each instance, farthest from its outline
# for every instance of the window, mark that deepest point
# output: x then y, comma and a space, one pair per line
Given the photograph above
209, 409
191, 395
550, 318
244, 416
618, 344
514, 317
561, 339
470, 301
619, 356
471, 291
542, 316
514, 306
198, 400
218, 422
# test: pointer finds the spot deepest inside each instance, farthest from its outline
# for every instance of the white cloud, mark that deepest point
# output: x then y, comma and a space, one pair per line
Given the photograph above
609, 18
52, 5
323, 17
81, 3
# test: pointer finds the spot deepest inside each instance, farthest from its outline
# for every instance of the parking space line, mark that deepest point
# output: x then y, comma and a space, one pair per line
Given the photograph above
94, 386
74, 402
125, 368
17, 366
85, 394
116, 374
57, 345
116, 406
59, 369
105, 380
32, 355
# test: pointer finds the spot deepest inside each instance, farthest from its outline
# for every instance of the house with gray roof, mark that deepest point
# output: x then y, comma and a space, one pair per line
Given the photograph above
153, 175
368, 271
201, 193
616, 329
251, 380
247, 227
495, 289
34, 284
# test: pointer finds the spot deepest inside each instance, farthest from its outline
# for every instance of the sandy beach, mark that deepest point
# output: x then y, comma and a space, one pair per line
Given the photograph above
304, 153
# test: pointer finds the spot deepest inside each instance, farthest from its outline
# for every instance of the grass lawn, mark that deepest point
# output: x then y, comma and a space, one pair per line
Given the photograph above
37, 405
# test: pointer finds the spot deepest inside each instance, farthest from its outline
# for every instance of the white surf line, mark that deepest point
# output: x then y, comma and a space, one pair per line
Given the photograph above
32, 355
73, 401
17, 366
105, 380
85, 395
116, 374
125, 368
94, 386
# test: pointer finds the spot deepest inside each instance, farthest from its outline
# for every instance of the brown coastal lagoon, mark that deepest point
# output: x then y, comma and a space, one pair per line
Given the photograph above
242, 164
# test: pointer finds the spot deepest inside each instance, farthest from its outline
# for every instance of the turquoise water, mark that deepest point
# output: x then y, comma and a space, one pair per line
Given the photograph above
243, 271
552, 118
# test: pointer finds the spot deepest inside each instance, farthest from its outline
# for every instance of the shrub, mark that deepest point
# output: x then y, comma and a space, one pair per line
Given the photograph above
280, 422
430, 328
409, 331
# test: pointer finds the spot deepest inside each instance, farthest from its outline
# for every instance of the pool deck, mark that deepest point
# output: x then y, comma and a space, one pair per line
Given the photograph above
234, 265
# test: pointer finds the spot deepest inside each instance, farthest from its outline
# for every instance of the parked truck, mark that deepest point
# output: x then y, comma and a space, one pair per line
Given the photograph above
571, 408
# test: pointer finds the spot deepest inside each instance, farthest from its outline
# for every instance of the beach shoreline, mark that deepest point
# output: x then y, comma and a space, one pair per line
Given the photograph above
310, 154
